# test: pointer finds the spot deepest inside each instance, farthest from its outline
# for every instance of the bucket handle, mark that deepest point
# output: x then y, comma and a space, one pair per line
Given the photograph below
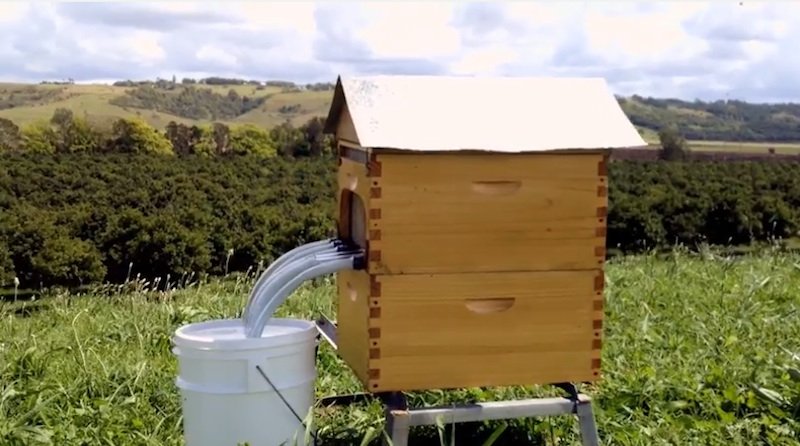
286, 403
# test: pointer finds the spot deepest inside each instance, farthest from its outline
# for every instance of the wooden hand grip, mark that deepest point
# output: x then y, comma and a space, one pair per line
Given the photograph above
496, 187
490, 305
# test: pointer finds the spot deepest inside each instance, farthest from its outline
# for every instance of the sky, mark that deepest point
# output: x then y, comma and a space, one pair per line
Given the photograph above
680, 49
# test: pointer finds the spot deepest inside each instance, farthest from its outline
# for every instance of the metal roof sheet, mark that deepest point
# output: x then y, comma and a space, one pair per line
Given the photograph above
504, 114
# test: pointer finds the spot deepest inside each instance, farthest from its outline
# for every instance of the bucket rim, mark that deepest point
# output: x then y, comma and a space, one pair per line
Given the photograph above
191, 337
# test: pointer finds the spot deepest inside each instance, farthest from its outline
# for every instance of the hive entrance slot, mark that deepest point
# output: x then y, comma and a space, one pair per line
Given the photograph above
352, 219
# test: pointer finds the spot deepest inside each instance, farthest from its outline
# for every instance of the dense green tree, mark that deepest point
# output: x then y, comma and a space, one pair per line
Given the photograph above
6, 264
73, 134
163, 215
205, 144
249, 139
673, 145
183, 138
221, 135
39, 137
134, 135
188, 101
62, 117
67, 133
287, 139
44, 253
10, 136
656, 204
318, 142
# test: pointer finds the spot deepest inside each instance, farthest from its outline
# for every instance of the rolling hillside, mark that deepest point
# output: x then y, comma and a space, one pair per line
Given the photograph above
719, 120
27, 103
720, 125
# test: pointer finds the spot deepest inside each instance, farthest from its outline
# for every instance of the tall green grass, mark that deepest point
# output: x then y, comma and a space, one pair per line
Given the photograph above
698, 350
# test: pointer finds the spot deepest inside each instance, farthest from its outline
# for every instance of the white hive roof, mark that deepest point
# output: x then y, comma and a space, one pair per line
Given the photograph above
505, 114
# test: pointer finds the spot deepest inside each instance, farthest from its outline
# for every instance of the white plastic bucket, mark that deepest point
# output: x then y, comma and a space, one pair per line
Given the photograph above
225, 399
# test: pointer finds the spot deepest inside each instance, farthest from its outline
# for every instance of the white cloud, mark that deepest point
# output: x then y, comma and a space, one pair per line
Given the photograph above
293, 16
638, 38
11, 11
145, 47
679, 49
400, 30
484, 61
209, 53
141, 47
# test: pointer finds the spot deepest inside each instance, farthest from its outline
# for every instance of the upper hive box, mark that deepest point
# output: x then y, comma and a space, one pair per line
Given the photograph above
481, 204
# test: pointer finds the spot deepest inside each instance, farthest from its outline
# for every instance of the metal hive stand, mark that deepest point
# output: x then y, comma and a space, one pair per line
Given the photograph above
400, 418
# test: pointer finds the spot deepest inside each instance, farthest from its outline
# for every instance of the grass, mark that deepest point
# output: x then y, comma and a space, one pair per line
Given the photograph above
783, 148
650, 136
311, 104
745, 147
691, 344
93, 101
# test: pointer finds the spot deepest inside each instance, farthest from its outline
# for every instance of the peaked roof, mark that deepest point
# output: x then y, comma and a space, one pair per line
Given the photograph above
505, 114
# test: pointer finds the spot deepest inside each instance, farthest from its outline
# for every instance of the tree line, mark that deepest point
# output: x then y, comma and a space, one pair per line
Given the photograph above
189, 102
67, 133
69, 218
722, 120
224, 81
659, 204
77, 218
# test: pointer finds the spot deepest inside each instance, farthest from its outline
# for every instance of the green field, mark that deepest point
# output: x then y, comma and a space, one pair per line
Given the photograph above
745, 147
760, 148
93, 101
781, 148
691, 344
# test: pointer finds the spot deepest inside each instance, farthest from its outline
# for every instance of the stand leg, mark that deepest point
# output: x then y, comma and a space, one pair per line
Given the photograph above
586, 421
398, 421
397, 427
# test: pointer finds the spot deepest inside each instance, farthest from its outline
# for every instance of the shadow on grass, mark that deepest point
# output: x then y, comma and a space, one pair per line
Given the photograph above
29, 309
466, 434
8, 295
23, 307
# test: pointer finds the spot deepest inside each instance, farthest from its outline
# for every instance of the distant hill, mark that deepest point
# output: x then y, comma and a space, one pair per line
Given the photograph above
236, 101
719, 120
158, 103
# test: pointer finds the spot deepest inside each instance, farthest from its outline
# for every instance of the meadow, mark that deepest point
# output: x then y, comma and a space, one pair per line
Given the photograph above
699, 349
97, 103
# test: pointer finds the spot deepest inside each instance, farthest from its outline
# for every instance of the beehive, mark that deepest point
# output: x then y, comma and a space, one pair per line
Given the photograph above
481, 204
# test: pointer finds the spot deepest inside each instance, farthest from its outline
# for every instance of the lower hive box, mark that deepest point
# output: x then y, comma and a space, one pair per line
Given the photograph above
425, 331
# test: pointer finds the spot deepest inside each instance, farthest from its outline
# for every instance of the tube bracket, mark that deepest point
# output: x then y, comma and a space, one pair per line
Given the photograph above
327, 329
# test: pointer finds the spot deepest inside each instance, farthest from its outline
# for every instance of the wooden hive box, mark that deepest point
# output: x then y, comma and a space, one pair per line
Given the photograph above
481, 204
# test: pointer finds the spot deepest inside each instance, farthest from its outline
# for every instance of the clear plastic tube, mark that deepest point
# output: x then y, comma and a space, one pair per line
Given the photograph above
278, 264
308, 269
286, 272
291, 255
